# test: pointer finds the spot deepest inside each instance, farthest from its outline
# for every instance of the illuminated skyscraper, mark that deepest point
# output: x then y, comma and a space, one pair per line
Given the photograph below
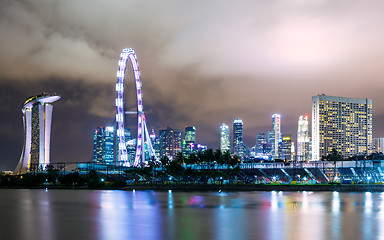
303, 139
103, 151
286, 147
261, 143
189, 141
37, 116
238, 144
276, 135
225, 138
341, 123
170, 143
155, 143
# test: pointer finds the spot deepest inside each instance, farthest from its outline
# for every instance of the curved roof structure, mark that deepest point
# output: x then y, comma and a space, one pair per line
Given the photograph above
42, 98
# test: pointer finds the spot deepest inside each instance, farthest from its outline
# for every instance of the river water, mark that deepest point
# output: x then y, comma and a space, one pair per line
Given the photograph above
87, 214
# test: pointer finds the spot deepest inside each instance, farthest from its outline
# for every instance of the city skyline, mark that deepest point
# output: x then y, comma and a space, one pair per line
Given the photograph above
201, 66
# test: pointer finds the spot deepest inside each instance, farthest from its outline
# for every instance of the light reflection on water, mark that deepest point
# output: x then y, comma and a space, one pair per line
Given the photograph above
105, 215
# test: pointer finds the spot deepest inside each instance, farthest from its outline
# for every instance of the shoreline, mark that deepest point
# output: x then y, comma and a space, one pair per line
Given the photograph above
262, 187
216, 188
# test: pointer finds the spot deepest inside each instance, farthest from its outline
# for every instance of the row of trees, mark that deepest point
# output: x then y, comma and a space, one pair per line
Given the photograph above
53, 177
182, 170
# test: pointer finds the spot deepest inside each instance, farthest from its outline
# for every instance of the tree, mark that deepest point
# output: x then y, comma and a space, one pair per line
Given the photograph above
334, 156
192, 159
226, 157
180, 158
175, 169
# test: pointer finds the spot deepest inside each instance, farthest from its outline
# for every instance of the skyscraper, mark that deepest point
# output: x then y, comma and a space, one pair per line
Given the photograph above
276, 135
303, 139
155, 143
225, 138
238, 144
189, 140
261, 141
170, 143
341, 123
37, 117
103, 139
286, 147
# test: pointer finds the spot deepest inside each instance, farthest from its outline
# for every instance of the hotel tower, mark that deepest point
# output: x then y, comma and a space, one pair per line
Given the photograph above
341, 123
37, 116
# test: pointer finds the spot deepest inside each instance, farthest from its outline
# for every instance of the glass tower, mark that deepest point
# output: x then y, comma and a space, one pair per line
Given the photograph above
238, 144
225, 138
103, 140
276, 132
303, 139
189, 141
170, 143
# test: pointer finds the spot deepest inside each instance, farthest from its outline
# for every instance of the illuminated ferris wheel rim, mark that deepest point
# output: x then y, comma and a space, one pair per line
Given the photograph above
142, 131
127, 54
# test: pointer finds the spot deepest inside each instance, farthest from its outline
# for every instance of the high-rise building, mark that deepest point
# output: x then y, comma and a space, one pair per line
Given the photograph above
98, 145
378, 145
170, 143
276, 135
238, 144
225, 138
103, 140
189, 140
155, 143
263, 145
341, 123
286, 147
261, 141
303, 139
37, 117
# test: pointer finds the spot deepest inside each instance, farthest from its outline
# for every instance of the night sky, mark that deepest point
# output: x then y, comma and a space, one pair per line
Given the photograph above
202, 63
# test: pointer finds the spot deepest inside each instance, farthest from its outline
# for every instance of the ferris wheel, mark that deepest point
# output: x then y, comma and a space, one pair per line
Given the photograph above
143, 141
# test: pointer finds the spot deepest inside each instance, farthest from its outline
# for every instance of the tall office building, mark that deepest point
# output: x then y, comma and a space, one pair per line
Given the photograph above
170, 143
189, 140
378, 145
37, 117
341, 123
238, 144
303, 139
263, 146
155, 143
276, 132
98, 145
286, 147
103, 140
225, 138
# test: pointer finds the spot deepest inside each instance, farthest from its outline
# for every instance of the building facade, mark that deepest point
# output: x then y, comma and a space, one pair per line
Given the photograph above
238, 144
225, 138
37, 118
302, 139
103, 145
189, 143
276, 136
286, 147
341, 123
170, 143
378, 145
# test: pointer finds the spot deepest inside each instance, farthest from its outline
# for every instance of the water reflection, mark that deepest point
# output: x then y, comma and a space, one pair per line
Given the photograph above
58, 214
